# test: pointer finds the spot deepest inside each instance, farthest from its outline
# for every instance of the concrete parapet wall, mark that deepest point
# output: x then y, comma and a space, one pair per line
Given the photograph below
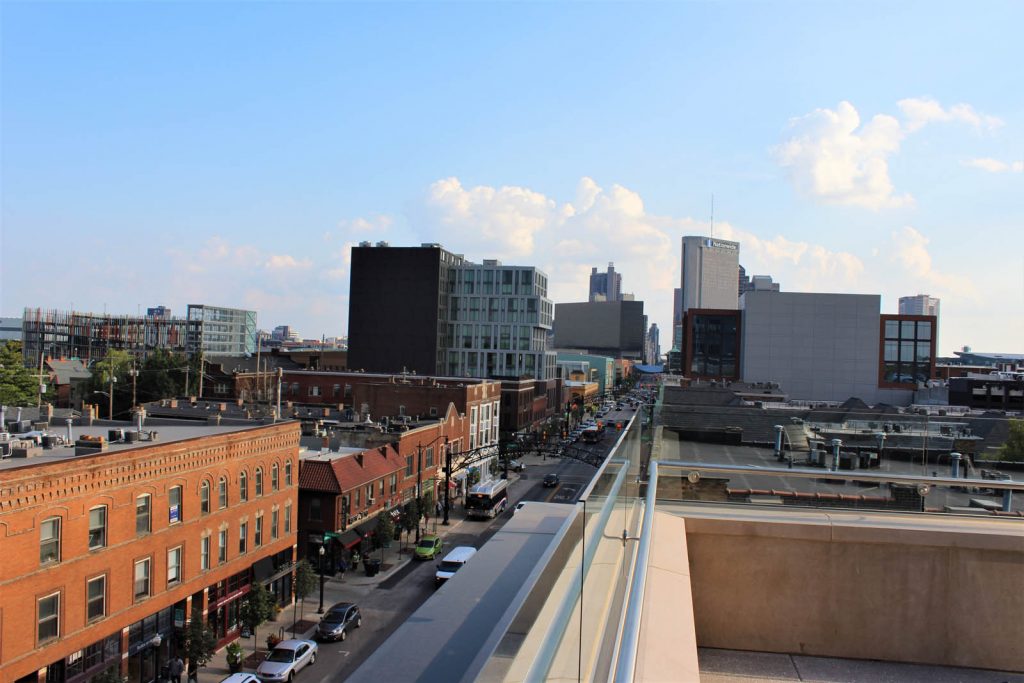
892, 587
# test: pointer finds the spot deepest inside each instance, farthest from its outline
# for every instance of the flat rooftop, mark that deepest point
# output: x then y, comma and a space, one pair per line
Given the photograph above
164, 434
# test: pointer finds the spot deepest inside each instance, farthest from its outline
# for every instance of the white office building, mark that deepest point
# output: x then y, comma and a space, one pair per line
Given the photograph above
922, 304
710, 273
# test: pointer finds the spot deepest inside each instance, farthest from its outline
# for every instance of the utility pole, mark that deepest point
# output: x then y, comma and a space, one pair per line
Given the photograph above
39, 401
110, 395
201, 373
280, 372
134, 373
419, 479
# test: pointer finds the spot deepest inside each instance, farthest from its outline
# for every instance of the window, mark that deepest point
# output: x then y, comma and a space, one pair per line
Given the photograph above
48, 617
429, 453
96, 598
222, 493
408, 466
288, 517
173, 566
274, 477
258, 535
288, 473
142, 579
98, 527
204, 553
314, 510
273, 524
204, 498
394, 483
259, 481
49, 540
222, 548
243, 487
174, 505
142, 514
243, 533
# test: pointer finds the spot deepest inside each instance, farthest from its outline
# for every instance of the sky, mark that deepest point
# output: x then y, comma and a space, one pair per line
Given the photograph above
231, 153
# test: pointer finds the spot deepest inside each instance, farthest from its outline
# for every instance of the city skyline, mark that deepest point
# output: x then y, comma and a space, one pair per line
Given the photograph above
239, 171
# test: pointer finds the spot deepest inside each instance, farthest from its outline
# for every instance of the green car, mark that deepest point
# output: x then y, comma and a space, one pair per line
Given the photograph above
428, 547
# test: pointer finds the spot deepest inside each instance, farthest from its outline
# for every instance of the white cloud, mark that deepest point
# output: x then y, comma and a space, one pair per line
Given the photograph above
830, 156
920, 111
909, 253
285, 262
995, 165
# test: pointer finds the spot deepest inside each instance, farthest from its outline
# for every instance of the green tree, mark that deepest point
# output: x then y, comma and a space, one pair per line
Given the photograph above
200, 643
410, 515
257, 608
18, 385
1013, 449
115, 365
305, 583
385, 530
161, 376
111, 675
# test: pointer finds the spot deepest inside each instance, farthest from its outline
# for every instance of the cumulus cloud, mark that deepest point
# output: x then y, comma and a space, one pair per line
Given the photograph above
830, 156
920, 111
995, 165
909, 252
285, 262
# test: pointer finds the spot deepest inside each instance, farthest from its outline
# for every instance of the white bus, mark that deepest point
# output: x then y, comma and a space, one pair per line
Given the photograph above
487, 499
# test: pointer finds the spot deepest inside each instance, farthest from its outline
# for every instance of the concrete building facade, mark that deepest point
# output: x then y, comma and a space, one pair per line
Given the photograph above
605, 286
221, 331
610, 328
710, 273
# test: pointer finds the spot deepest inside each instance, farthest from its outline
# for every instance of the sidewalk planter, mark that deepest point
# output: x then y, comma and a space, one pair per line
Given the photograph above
234, 655
371, 567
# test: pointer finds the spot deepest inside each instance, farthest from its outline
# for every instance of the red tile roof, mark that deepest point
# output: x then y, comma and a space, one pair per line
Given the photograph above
317, 475
350, 470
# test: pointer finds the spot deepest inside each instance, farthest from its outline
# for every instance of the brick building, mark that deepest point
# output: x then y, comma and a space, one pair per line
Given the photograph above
108, 546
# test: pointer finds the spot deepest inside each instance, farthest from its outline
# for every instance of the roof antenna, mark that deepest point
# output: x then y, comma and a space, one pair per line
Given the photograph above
712, 214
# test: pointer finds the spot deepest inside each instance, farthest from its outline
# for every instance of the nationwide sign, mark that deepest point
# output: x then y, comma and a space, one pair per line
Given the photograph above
719, 244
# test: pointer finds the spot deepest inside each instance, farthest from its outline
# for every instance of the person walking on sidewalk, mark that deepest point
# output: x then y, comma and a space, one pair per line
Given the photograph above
174, 669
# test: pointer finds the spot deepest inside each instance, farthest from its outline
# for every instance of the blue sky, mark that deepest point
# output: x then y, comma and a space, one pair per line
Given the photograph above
230, 153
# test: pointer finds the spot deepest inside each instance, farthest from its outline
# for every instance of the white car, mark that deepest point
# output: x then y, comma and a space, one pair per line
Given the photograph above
286, 659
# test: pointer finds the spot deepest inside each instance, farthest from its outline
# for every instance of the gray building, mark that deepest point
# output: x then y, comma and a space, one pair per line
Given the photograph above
499, 317
10, 328
710, 273
605, 286
922, 304
220, 331
817, 347
607, 328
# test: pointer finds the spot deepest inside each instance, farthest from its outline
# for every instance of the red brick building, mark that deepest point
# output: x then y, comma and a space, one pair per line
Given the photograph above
106, 552
345, 491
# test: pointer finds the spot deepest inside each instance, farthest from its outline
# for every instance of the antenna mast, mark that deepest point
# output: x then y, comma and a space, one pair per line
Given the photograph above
712, 214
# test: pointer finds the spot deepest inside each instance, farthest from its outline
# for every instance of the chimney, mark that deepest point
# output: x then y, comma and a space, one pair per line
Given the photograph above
383, 451
359, 459
71, 436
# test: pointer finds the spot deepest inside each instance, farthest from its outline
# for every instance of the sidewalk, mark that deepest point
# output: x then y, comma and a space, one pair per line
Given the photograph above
336, 589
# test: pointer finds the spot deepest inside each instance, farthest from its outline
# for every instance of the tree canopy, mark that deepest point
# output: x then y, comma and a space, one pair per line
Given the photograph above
18, 384
1013, 449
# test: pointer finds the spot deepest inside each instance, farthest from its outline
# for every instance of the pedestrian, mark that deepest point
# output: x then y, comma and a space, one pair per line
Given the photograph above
342, 566
175, 669
438, 509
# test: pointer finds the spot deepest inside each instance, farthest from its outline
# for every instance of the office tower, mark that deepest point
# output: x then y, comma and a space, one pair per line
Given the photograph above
220, 331
605, 286
607, 328
710, 273
922, 304
428, 311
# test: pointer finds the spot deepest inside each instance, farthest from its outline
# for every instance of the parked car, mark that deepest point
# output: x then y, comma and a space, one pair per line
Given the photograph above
516, 465
286, 659
519, 506
338, 620
428, 547
551, 480
240, 678
452, 562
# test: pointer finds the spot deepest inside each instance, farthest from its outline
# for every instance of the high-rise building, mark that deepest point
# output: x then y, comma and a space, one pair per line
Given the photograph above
710, 273
221, 331
607, 328
605, 286
677, 317
428, 311
653, 345
922, 304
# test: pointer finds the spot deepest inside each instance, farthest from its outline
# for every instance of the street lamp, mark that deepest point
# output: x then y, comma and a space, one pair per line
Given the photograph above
323, 551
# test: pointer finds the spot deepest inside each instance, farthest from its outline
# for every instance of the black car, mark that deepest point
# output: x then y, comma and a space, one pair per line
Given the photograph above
551, 480
337, 621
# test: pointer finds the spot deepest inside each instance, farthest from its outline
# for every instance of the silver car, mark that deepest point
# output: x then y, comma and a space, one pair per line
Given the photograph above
285, 660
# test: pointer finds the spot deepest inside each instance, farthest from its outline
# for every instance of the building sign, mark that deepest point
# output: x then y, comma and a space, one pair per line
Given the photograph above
720, 244
174, 513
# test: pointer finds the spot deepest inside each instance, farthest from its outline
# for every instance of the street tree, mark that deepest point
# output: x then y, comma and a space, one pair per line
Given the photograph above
111, 373
385, 530
305, 583
200, 642
410, 515
1013, 449
18, 386
257, 608
162, 375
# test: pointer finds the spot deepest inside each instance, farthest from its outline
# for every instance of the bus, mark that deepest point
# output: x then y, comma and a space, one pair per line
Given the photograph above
488, 499
591, 435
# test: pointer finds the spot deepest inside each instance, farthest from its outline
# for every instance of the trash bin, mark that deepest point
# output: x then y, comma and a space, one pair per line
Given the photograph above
371, 567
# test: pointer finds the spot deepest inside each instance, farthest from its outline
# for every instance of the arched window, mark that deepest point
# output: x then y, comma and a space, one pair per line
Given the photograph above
243, 486
222, 493
204, 497
259, 481
274, 477
288, 473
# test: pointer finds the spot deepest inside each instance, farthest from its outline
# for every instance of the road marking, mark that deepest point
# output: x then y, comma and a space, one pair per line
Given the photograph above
343, 653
